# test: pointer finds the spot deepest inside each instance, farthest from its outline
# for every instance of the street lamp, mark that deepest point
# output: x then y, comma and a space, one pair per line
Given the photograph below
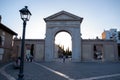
25, 16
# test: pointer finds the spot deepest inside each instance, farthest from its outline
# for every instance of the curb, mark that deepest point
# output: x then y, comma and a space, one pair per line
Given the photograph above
2, 71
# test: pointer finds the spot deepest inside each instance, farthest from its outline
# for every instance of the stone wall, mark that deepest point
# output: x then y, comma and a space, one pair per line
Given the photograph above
38, 48
5, 46
109, 51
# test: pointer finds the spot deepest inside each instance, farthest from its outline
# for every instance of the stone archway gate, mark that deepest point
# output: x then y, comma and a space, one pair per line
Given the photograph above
63, 21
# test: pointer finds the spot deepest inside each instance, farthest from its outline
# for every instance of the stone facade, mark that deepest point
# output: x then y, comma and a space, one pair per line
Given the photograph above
6, 42
63, 21
108, 50
82, 50
34, 46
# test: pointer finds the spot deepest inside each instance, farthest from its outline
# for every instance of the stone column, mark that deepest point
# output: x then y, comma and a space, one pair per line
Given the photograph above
76, 46
49, 46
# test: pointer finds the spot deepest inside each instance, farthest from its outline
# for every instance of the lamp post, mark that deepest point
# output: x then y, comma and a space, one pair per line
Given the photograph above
25, 16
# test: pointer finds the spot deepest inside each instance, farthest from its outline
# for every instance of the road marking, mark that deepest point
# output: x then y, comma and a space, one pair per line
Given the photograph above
68, 77
2, 71
100, 77
54, 71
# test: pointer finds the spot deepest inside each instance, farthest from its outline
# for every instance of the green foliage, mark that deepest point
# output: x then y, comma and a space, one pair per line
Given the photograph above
62, 51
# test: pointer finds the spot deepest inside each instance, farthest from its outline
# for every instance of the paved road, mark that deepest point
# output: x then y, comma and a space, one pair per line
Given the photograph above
68, 71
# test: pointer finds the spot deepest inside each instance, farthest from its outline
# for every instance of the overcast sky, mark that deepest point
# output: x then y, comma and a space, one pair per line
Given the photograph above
99, 15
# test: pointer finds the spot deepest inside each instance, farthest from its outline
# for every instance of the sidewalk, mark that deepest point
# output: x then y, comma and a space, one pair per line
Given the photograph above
1, 75
4, 75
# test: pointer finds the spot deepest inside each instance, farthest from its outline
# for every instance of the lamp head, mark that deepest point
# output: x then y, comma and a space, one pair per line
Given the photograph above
25, 14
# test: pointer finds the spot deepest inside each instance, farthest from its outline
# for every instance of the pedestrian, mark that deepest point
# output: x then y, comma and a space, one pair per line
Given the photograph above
64, 58
27, 57
17, 63
31, 58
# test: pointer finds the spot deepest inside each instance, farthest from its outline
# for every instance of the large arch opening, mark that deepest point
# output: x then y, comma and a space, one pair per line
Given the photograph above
62, 46
63, 21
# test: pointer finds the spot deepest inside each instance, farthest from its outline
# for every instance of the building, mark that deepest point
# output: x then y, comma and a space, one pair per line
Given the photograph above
82, 49
111, 34
6, 42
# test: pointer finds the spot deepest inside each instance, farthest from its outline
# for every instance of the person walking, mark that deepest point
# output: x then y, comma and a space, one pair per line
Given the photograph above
64, 58
31, 58
27, 57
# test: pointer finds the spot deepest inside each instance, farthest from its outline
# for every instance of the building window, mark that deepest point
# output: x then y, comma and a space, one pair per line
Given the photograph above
2, 40
3, 33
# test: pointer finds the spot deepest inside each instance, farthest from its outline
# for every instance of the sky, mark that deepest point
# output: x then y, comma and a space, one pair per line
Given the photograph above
99, 15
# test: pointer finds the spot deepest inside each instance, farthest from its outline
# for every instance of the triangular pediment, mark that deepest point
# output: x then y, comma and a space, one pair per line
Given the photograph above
63, 15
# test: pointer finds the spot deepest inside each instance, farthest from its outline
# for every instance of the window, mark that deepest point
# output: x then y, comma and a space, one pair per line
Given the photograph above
3, 40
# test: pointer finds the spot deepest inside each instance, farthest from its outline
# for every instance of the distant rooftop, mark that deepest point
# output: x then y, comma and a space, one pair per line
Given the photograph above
5, 28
